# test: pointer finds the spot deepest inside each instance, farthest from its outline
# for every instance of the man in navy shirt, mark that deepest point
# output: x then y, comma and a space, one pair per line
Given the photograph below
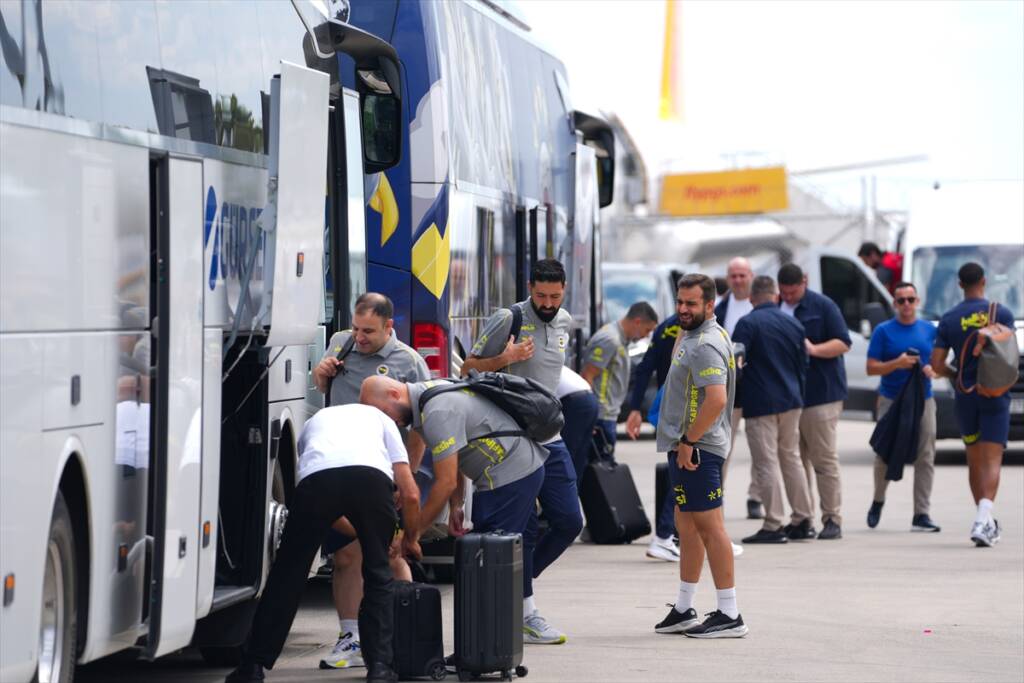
896, 346
984, 422
656, 360
826, 341
771, 397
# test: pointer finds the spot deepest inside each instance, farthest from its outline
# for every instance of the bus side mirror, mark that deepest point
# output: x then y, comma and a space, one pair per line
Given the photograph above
381, 113
599, 135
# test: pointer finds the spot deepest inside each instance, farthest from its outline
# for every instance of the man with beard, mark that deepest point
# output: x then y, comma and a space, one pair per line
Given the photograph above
694, 430
537, 350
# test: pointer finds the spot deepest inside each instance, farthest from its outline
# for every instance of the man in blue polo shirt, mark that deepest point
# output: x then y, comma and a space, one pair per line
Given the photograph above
896, 346
826, 341
771, 397
984, 422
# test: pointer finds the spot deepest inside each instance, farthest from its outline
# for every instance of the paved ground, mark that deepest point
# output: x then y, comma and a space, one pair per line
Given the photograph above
879, 605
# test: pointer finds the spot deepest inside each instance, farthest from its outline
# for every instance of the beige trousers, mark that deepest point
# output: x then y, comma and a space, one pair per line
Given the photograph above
924, 465
821, 459
774, 447
754, 490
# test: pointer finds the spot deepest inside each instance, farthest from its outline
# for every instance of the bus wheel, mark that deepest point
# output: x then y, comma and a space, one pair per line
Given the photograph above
58, 628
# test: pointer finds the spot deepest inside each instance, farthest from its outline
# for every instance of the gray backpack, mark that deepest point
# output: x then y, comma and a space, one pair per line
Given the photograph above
995, 347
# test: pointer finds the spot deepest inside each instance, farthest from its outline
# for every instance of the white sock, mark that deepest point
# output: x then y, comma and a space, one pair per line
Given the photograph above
529, 606
984, 511
350, 626
727, 602
684, 600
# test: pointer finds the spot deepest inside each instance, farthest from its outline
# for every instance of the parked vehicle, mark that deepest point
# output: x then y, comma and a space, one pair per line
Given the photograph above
949, 226
624, 284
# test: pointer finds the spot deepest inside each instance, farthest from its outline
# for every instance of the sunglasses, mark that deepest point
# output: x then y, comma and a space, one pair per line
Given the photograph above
905, 300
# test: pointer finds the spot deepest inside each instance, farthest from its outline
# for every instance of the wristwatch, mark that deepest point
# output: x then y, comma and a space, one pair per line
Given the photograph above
686, 441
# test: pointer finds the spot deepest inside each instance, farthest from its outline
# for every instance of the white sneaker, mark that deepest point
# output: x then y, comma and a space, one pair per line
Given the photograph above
538, 631
737, 550
985, 535
663, 549
346, 654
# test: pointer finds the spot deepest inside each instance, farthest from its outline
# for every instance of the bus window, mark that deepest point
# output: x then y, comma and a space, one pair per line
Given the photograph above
487, 291
187, 42
126, 50
237, 105
52, 65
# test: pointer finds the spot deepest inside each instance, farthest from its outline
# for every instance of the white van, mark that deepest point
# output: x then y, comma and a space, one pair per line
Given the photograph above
949, 226
864, 303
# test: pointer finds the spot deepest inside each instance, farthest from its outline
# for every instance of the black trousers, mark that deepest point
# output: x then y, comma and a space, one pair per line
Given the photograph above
364, 495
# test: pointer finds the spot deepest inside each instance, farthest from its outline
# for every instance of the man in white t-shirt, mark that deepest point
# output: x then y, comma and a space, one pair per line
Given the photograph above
728, 311
352, 457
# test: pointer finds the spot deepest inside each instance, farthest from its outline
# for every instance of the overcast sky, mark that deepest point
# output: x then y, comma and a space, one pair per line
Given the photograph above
807, 84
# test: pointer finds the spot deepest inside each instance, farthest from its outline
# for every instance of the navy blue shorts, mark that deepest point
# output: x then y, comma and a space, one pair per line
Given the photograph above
983, 419
335, 540
698, 490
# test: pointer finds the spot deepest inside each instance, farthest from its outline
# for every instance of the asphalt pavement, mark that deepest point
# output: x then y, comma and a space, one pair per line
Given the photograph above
880, 604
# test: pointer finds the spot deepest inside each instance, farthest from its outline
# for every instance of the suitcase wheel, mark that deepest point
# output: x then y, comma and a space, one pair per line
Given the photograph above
437, 671
522, 671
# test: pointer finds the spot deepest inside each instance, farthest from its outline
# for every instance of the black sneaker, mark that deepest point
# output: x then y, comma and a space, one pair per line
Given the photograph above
246, 672
875, 513
799, 532
767, 536
719, 625
830, 532
754, 510
677, 622
924, 523
381, 673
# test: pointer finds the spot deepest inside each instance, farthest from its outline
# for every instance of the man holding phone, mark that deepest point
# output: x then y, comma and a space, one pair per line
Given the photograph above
897, 346
695, 430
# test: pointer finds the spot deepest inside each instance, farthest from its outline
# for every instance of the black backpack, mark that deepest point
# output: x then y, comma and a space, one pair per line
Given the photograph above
536, 410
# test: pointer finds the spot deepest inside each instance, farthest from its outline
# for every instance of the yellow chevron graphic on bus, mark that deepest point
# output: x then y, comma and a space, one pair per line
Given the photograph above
383, 202
431, 258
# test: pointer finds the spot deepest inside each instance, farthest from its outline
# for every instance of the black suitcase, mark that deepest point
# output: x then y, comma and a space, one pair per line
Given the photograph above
489, 605
417, 641
612, 505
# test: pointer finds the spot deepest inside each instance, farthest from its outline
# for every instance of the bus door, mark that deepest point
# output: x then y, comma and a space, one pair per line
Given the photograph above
292, 224
176, 206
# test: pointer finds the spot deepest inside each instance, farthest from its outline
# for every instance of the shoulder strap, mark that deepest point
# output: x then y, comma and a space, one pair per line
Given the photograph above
993, 312
346, 349
517, 321
962, 359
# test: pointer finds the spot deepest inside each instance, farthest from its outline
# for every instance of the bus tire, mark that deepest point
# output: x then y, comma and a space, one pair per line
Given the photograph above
58, 628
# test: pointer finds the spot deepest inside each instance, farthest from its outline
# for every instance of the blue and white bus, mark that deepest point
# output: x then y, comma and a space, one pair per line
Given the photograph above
498, 170
163, 168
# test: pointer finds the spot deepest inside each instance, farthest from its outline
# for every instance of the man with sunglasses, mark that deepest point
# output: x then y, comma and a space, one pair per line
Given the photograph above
896, 346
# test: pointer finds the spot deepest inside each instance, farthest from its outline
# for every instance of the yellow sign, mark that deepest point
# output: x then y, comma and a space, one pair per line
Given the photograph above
752, 190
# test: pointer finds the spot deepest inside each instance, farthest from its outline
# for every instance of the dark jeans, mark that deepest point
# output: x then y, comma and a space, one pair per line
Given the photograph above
364, 495
560, 502
580, 410
509, 508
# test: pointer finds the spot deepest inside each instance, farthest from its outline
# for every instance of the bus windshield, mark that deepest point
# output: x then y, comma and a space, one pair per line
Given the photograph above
935, 276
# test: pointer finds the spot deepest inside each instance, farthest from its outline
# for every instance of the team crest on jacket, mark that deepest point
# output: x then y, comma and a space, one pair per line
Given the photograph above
382, 369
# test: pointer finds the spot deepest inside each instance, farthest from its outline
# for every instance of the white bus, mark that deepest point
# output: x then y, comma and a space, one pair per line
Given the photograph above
163, 289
